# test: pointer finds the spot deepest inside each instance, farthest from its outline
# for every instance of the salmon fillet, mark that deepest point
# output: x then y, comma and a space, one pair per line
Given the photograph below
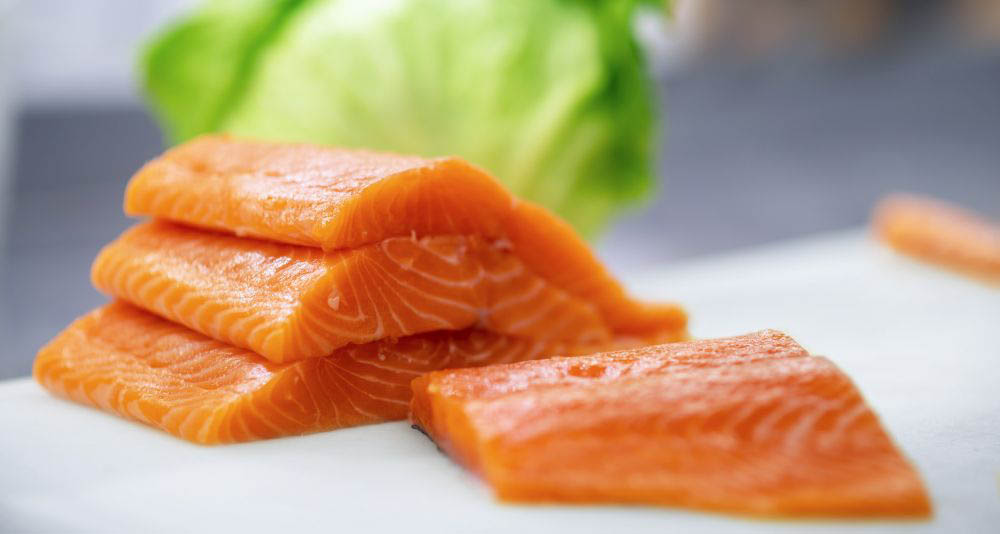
750, 425
289, 302
941, 233
132, 363
343, 199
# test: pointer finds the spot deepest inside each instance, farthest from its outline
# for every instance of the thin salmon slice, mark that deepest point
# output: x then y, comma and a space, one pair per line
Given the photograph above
941, 233
748, 425
289, 302
343, 199
135, 364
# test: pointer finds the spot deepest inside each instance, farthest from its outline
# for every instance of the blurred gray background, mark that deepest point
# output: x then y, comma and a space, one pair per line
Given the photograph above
768, 136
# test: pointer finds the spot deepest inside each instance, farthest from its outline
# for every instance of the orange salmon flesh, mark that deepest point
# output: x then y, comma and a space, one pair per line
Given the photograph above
749, 425
942, 234
134, 364
289, 302
338, 199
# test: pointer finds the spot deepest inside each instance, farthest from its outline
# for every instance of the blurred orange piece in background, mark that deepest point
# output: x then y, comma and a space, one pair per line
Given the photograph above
941, 233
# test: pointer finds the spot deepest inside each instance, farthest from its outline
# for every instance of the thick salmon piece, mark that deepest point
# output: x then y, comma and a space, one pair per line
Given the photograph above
289, 302
749, 425
342, 199
129, 362
938, 232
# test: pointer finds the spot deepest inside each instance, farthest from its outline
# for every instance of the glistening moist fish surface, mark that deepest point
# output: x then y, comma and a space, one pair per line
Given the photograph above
137, 365
750, 424
339, 199
289, 302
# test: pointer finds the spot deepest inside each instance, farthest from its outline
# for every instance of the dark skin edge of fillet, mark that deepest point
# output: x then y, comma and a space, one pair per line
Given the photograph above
424, 432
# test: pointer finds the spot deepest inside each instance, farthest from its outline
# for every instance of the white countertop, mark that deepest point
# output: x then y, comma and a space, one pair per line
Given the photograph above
923, 345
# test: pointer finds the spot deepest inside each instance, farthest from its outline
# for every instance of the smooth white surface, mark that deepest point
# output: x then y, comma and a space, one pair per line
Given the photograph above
921, 344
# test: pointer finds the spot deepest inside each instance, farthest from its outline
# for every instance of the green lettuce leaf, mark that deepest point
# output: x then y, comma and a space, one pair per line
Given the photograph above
551, 96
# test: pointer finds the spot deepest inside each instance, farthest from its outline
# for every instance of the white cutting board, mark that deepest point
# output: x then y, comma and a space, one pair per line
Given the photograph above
923, 345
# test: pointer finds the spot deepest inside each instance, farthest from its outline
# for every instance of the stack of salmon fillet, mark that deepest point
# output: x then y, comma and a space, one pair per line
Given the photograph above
285, 289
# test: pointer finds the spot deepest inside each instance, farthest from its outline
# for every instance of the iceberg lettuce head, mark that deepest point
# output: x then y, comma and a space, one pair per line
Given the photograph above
551, 96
